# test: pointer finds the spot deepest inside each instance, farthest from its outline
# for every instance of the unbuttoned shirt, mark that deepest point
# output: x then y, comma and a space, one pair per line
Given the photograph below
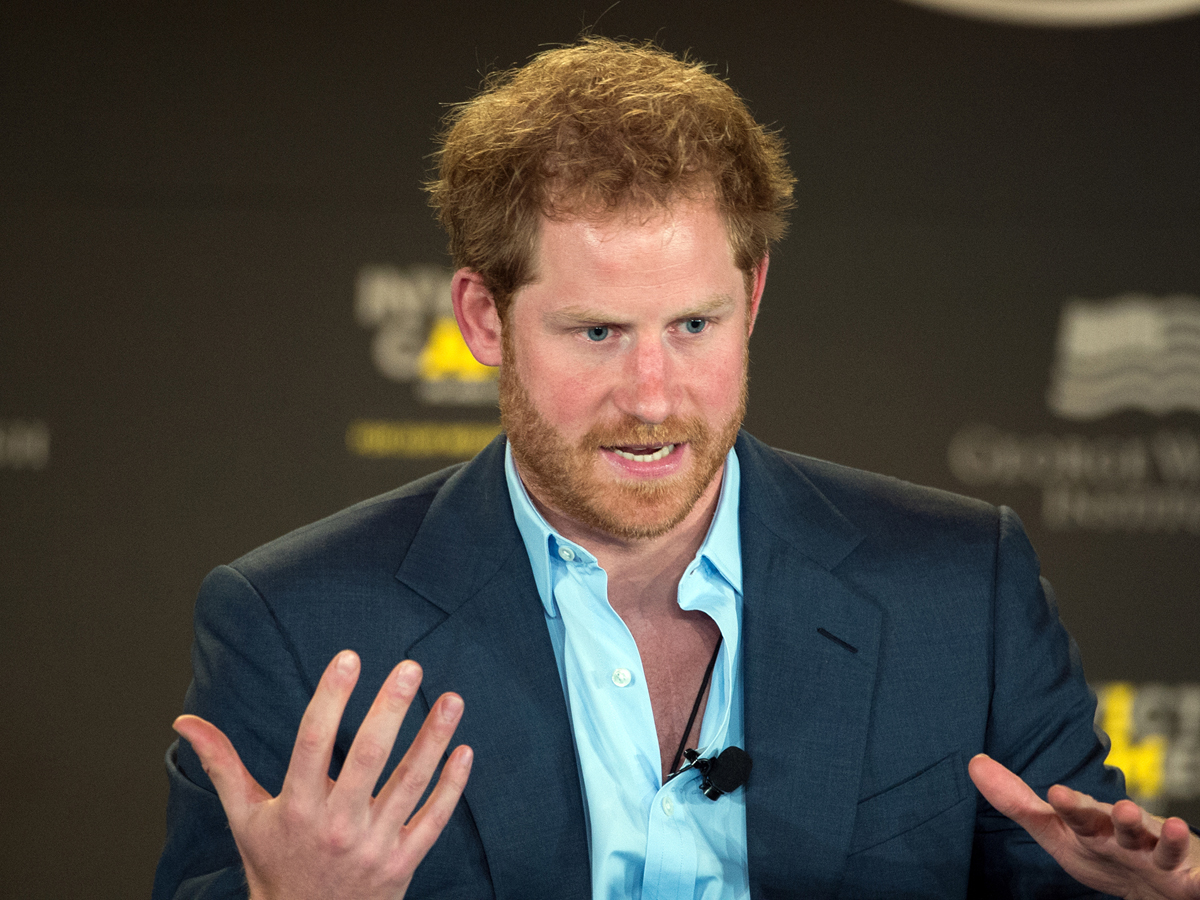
647, 839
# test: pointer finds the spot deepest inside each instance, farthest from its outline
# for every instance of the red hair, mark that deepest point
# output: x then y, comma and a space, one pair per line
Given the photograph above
596, 127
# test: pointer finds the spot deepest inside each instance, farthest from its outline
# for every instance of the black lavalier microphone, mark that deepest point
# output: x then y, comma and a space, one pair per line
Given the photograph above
723, 773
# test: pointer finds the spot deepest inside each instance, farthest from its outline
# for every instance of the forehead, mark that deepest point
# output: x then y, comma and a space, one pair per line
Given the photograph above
679, 247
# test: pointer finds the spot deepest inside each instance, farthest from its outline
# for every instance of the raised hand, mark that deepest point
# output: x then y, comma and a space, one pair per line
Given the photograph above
1116, 848
321, 839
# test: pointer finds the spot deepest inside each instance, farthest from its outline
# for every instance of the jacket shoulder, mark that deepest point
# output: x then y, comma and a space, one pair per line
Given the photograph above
876, 490
884, 506
367, 539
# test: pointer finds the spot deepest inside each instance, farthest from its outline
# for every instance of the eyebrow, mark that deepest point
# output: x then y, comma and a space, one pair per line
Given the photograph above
572, 316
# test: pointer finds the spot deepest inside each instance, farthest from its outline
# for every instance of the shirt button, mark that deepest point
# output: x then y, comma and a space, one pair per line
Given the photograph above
668, 805
621, 677
566, 554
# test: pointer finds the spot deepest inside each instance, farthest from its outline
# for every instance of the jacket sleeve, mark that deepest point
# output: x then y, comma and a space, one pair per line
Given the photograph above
248, 681
1040, 724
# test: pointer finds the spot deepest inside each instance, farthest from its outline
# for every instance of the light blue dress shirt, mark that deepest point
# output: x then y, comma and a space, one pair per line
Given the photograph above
648, 839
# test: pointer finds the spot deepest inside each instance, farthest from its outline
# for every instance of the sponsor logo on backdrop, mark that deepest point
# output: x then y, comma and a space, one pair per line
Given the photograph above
381, 439
1132, 352
1155, 734
1066, 12
416, 339
416, 342
24, 444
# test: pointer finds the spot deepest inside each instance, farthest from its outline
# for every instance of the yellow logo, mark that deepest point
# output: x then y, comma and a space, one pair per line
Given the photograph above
418, 440
1140, 758
417, 342
416, 339
446, 356
1155, 735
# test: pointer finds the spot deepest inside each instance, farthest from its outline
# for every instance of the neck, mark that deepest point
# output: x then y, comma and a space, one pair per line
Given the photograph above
643, 574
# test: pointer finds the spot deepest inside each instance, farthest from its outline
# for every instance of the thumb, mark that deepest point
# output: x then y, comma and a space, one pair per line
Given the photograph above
1010, 795
235, 785
1004, 789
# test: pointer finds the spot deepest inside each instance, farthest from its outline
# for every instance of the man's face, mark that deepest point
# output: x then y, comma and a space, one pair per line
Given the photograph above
624, 376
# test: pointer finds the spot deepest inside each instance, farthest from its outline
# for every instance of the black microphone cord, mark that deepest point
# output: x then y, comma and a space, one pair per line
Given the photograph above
695, 709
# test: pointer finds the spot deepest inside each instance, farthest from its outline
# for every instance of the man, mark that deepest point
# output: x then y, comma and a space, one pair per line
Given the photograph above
626, 576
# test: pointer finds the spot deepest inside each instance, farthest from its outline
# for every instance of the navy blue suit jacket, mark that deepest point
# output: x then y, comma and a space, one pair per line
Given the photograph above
890, 633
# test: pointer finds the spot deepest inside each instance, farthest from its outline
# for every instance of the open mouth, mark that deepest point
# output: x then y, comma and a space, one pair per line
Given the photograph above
651, 453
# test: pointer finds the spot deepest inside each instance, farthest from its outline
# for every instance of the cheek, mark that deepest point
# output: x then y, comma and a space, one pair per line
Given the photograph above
717, 381
564, 395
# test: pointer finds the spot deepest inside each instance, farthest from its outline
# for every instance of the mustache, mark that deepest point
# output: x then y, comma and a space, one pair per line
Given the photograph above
629, 432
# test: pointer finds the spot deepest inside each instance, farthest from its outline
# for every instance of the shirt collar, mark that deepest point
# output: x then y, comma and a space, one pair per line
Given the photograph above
721, 548
535, 531
722, 545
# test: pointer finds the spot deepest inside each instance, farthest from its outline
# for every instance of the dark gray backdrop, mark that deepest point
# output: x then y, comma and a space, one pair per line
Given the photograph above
189, 197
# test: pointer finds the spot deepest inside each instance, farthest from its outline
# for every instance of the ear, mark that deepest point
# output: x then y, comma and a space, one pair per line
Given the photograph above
478, 320
760, 284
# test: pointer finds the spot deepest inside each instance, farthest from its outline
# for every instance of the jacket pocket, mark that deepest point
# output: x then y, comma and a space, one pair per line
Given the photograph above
910, 803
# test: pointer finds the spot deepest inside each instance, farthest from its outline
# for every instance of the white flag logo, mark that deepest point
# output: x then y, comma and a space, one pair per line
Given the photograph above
1132, 352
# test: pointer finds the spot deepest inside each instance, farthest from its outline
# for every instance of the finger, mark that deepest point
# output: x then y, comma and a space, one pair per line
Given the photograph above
235, 786
373, 744
425, 827
1133, 829
1081, 813
1007, 792
308, 772
407, 783
1174, 841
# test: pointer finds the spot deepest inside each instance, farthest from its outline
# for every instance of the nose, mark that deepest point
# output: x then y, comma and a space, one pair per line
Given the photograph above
646, 393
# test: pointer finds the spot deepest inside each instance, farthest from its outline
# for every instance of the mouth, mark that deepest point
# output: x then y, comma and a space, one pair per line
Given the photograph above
644, 454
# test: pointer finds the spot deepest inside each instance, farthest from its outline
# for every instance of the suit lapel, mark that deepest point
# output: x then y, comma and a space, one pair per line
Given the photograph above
493, 648
808, 694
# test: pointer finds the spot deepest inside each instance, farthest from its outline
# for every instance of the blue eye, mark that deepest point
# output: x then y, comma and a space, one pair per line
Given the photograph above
597, 333
695, 326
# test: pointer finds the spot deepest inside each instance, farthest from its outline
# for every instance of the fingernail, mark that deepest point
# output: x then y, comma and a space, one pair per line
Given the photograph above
408, 675
346, 662
452, 706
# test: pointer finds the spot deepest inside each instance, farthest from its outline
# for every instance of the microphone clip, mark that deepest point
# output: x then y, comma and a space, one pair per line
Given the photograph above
721, 774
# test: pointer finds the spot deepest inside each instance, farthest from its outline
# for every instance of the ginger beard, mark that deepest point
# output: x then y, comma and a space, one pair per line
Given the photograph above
565, 477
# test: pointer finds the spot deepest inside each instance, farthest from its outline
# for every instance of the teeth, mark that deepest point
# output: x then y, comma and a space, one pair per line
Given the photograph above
645, 457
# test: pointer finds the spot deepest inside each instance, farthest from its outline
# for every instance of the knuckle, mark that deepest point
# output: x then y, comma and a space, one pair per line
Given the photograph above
396, 701
442, 724
369, 754
397, 696
312, 739
403, 863
438, 815
339, 836
296, 817
368, 859
411, 781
